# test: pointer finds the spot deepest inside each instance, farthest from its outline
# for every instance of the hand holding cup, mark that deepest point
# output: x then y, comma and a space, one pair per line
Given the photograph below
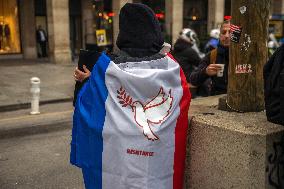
220, 71
215, 69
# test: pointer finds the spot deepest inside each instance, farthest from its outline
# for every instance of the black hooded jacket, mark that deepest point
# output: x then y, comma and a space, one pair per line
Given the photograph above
219, 84
273, 74
187, 57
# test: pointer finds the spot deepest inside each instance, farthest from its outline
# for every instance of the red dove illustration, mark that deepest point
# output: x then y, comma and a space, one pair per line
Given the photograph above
153, 112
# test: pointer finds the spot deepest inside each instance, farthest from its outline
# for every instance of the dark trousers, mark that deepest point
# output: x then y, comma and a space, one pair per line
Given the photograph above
43, 49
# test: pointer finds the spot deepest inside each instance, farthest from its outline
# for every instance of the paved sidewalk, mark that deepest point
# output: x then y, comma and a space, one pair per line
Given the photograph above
57, 83
52, 118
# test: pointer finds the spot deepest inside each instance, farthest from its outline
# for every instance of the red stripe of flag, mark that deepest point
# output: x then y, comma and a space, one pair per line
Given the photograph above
234, 28
181, 133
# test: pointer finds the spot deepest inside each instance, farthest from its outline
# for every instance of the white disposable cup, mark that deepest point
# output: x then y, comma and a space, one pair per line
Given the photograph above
221, 70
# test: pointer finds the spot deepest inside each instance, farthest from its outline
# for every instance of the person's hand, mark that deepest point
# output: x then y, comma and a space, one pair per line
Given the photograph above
81, 76
212, 69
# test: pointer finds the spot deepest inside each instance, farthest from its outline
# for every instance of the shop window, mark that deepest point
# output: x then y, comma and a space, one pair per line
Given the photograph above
103, 24
99, 29
9, 27
195, 17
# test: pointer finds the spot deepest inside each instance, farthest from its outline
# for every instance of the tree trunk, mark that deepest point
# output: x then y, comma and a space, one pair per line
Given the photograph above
248, 56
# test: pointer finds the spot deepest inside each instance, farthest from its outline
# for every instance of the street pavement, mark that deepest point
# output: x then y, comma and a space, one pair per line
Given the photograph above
38, 162
53, 117
56, 95
57, 82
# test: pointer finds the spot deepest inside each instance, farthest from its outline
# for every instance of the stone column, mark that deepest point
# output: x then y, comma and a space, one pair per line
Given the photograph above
215, 13
88, 31
282, 7
58, 31
116, 6
28, 29
174, 18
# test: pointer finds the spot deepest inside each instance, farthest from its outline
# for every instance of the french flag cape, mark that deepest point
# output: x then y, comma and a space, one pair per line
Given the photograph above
130, 125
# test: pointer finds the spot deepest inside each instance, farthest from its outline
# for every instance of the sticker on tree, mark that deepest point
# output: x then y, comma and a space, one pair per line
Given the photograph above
236, 32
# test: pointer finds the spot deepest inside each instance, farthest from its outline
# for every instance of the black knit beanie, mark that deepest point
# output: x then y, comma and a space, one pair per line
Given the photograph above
139, 31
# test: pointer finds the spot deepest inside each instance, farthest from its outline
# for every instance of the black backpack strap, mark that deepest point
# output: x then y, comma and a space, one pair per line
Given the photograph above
281, 85
273, 73
281, 90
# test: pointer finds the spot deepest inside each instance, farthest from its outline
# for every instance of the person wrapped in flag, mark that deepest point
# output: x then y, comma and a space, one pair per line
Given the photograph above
131, 116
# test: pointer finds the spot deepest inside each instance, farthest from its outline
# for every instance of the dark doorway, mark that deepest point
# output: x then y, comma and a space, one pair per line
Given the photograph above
75, 27
195, 17
41, 22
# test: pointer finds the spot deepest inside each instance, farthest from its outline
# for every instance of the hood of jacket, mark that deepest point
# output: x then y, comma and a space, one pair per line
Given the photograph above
139, 31
181, 45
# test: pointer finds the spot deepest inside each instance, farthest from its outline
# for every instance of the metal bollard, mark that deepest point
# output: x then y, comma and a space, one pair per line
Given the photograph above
35, 90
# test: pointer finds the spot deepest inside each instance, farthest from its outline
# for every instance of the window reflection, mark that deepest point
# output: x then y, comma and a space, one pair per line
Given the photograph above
9, 27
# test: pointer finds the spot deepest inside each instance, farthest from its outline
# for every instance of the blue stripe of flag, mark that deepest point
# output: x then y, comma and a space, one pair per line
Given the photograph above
88, 121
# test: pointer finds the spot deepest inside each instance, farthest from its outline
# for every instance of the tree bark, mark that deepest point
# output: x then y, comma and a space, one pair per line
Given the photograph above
248, 56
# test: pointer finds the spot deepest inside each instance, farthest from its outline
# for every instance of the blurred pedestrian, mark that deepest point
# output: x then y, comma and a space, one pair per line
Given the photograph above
213, 41
272, 44
187, 57
281, 41
215, 61
273, 76
41, 38
186, 53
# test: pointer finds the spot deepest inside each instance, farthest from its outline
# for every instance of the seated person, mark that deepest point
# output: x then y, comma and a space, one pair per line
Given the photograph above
184, 53
208, 67
187, 54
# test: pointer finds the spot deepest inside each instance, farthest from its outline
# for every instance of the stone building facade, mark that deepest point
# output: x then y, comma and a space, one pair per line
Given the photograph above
74, 24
